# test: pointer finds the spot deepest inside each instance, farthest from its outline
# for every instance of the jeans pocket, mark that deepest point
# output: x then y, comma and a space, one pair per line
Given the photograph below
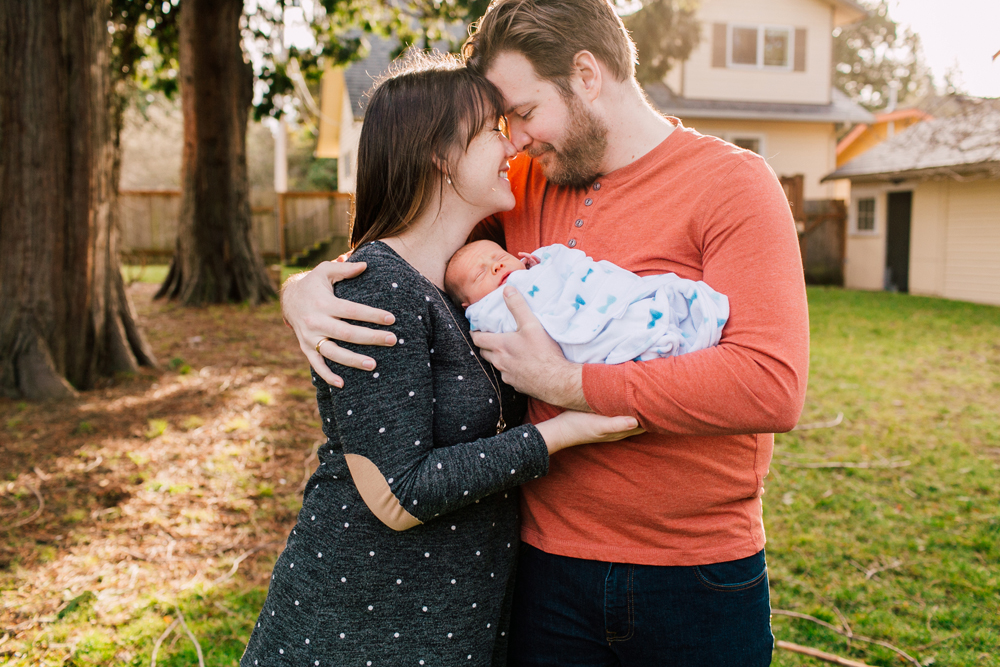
734, 575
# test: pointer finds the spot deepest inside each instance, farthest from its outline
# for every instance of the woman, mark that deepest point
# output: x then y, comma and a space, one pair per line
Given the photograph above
405, 546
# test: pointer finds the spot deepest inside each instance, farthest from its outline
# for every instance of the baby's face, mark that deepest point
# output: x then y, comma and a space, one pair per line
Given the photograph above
479, 268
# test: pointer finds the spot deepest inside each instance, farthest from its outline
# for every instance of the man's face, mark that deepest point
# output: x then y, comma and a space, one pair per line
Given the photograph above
563, 136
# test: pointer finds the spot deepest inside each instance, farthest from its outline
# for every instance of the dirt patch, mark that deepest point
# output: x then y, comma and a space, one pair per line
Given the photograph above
160, 481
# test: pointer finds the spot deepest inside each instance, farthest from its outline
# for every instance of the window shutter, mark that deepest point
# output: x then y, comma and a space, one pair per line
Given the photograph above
719, 45
800, 49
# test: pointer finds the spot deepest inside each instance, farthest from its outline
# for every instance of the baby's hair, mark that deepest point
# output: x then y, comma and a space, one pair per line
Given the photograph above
450, 285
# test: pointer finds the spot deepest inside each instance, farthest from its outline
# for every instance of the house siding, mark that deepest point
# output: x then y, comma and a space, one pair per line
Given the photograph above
790, 148
954, 243
929, 236
972, 250
700, 80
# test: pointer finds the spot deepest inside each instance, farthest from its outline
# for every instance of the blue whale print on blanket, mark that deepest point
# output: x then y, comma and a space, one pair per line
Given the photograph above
654, 315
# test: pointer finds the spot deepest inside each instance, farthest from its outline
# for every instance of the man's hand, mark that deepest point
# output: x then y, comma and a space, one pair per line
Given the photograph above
314, 313
530, 361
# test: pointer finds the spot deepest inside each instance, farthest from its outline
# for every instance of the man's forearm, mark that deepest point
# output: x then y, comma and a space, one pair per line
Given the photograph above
560, 384
567, 389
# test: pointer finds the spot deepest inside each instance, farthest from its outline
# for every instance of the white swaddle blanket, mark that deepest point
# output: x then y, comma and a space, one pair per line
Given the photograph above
601, 313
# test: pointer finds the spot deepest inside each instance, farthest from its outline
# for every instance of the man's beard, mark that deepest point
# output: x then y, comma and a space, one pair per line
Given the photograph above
578, 164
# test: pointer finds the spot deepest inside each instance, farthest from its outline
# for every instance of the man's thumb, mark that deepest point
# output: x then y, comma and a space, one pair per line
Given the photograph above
516, 303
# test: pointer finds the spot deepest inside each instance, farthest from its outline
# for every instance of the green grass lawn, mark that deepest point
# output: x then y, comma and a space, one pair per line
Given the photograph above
918, 381
905, 551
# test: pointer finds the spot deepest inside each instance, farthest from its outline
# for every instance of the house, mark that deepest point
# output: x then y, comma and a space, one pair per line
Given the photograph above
342, 104
761, 78
924, 214
864, 137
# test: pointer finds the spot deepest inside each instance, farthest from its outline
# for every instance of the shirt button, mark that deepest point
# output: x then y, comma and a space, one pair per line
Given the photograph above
588, 201
597, 186
572, 243
578, 223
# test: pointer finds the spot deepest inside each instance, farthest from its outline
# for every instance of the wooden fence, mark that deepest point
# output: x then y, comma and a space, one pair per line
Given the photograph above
822, 227
284, 224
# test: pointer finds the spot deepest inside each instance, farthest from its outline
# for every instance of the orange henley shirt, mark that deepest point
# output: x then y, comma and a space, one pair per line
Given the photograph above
688, 491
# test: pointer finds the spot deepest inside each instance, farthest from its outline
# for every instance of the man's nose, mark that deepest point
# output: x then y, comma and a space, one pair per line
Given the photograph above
518, 136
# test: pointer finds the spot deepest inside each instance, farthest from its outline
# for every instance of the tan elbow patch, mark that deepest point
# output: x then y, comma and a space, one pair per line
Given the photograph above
375, 491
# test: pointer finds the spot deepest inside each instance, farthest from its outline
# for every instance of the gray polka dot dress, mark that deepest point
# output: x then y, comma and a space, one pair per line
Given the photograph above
350, 590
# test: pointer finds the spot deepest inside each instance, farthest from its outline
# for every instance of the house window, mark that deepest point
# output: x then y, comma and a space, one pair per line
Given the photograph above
776, 47
866, 214
760, 46
744, 50
747, 143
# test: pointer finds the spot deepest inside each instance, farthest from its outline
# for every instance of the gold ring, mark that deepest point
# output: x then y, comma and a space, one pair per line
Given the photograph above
321, 341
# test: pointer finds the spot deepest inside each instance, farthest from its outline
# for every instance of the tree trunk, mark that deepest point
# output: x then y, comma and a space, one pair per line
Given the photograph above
216, 259
65, 316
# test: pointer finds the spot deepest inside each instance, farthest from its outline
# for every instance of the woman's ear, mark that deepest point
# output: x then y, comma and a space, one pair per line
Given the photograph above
442, 166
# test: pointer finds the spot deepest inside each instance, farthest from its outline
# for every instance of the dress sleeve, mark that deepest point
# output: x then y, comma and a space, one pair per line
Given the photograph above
384, 422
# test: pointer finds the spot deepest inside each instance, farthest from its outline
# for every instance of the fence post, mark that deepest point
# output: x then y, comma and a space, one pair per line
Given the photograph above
281, 224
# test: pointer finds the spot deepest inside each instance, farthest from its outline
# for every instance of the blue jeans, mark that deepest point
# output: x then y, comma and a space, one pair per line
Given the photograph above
570, 612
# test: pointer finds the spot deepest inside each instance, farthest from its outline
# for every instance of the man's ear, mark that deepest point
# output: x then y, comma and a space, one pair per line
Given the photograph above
589, 76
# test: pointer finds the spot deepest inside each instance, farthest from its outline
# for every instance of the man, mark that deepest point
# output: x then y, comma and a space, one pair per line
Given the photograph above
649, 552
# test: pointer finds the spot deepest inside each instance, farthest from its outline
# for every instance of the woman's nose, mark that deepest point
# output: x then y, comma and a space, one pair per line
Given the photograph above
509, 148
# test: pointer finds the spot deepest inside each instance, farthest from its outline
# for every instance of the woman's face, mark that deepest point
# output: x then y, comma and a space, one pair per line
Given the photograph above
480, 175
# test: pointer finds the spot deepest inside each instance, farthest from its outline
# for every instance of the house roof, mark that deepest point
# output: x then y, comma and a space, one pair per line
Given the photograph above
361, 74
840, 110
887, 117
847, 11
964, 143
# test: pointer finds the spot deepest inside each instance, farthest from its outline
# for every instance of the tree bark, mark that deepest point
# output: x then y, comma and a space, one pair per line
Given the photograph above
216, 259
65, 316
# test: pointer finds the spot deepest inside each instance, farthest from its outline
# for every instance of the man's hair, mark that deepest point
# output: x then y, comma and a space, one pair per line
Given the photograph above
549, 33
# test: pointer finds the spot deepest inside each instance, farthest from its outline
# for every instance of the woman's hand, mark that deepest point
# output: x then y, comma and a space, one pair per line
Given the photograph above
314, 314
572, 428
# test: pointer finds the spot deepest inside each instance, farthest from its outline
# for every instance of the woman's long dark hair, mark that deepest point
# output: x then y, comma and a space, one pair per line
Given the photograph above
418, 115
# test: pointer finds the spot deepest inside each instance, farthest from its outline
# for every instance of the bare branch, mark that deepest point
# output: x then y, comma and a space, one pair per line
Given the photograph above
194, 640
828, 424
242, 557
36, 513
820, 655
156, 646
872, 571
806, 617
847, 464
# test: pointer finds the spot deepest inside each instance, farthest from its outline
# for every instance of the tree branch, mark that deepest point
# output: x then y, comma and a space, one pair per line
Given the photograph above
820, 655
847, 464
36, 513
806, 617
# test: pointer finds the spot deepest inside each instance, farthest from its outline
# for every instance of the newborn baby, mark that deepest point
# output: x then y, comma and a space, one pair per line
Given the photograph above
596, 311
